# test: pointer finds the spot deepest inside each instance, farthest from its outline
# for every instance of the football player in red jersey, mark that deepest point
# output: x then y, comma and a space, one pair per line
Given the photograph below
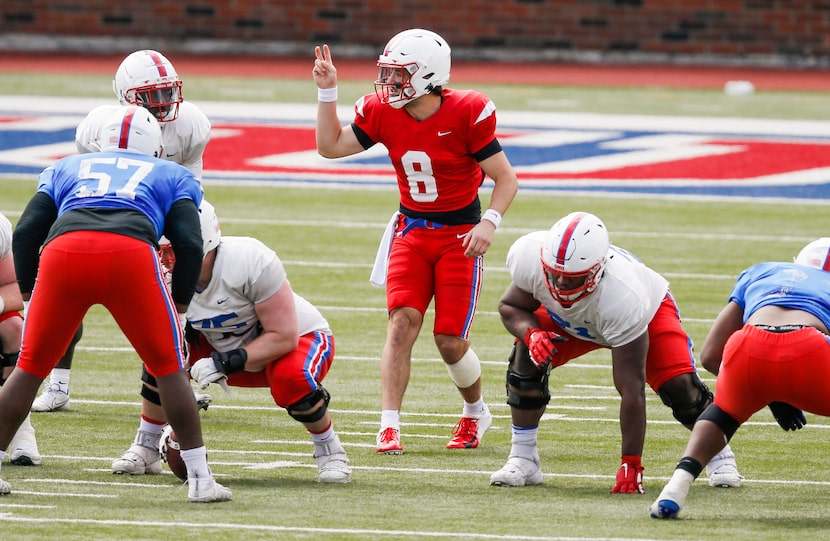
442, 144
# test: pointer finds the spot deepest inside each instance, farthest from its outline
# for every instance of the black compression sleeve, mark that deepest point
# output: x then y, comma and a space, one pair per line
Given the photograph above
182, 229
29, 235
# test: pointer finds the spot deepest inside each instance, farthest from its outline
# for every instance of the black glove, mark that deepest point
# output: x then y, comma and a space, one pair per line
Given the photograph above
788, 417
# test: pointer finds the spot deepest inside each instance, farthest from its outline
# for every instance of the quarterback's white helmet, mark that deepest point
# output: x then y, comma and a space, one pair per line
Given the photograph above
148, 79
816, 254
131, 129
573, 255
412, 64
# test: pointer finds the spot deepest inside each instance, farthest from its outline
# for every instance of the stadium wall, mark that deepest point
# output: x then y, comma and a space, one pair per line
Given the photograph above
731, 32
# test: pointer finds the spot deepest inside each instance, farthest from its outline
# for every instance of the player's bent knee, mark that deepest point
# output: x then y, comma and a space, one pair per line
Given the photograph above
685, 409
312, 407
527, 392
466, 371
728, 424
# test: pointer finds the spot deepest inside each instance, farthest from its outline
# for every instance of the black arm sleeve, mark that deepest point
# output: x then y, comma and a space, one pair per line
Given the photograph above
29, 235
182, 229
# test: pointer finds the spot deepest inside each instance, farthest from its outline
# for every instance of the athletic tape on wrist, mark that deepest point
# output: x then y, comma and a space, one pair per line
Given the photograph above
327, 95
492, 216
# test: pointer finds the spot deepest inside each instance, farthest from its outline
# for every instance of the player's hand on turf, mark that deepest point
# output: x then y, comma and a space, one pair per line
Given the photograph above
629, 476
540, 346
204, 372
788, 417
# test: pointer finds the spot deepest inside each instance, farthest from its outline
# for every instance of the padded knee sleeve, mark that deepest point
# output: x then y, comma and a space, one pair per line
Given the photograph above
687, 413
537, 381
723, 420
149, 394
308, 402
8, 359
466, 371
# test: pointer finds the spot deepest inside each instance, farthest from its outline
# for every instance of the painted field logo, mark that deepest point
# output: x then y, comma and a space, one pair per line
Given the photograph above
573, 152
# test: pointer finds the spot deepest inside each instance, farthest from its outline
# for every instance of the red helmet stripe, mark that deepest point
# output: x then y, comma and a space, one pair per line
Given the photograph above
826, 265
124, 136
158, 63
566, 238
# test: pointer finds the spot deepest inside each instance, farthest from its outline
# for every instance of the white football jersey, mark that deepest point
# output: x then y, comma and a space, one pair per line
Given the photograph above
5, 236
184, 139
246, 272
614, 314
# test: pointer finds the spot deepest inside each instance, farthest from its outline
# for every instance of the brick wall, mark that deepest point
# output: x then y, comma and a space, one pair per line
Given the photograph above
720, 31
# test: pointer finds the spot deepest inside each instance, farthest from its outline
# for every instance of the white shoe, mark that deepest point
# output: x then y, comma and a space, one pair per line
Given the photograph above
203, 400
518, 472
725, 475
52, 399
138, 460
5, 488
24, 446
722, 470
332, 467
206, 490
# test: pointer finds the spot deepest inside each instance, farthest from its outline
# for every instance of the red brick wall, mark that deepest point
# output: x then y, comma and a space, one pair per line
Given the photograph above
790, 30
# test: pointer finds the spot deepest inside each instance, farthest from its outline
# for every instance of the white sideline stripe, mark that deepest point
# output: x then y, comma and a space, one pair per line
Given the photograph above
361, 533
23, 506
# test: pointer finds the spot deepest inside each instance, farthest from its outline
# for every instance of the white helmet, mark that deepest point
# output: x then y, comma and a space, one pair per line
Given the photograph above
816, 254
148, 79
211, 236
575, 248
131, 129
412, 64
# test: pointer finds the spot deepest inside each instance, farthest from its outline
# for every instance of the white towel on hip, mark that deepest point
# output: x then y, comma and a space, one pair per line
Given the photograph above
378, 277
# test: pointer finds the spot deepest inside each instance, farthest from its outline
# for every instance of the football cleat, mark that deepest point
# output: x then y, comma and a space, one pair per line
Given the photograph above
722, 470
5, 488
389, 441
333, 468
207, 490
725, 476
518, 472
468, 431
203, 400
24, 446
52, 399
138, 460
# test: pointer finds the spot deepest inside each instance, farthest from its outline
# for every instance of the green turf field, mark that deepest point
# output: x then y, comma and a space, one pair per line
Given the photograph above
327, 240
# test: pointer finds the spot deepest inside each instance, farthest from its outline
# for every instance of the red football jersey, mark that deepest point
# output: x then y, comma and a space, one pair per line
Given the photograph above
433, 158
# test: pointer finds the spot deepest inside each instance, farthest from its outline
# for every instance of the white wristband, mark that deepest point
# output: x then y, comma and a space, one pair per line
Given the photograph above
327, 95
492, 216
2, 307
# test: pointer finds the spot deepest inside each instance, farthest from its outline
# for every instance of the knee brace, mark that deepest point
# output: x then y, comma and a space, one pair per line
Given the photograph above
523, 382
9, 359
688, 413
147, 393
466, 371
308, 402
723, 420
